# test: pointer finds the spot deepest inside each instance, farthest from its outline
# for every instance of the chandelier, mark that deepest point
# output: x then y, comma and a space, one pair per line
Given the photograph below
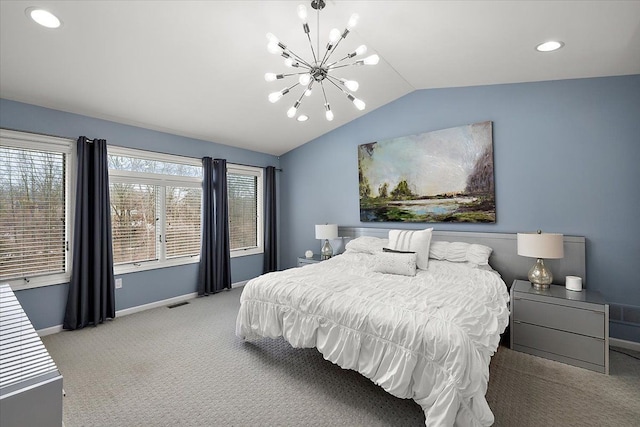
318, 71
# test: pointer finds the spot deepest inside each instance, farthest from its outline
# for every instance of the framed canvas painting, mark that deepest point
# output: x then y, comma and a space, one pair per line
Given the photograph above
440, 176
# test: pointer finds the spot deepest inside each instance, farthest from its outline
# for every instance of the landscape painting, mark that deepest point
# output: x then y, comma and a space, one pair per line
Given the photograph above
440, 176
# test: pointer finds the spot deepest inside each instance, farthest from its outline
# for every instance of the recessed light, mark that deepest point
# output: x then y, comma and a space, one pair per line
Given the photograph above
302, 118
43, 17
549, 46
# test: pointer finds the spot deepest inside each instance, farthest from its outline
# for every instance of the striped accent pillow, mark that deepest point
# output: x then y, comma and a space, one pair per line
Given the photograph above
417, 241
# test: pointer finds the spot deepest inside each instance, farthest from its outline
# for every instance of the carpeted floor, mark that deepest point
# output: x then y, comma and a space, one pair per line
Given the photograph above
185, 367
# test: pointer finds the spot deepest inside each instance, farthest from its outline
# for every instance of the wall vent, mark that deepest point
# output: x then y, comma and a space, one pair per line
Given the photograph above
628, 314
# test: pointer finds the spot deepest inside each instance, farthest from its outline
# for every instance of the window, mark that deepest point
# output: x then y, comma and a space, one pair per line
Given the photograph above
156, 204
34, 209
244, 188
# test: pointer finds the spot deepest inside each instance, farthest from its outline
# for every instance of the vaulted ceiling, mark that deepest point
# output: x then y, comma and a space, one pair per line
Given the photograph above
196, 68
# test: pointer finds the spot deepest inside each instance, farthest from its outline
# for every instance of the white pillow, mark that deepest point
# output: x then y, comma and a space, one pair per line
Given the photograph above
396, 263
460, 252
417, 241
366, 244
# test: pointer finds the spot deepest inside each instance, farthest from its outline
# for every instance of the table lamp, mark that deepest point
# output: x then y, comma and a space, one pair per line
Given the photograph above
326, 232
540, 245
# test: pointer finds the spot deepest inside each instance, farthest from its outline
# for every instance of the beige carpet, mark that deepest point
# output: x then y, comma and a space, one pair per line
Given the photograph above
185, 367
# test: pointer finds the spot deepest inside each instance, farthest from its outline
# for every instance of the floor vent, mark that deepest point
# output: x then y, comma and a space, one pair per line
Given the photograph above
178, 304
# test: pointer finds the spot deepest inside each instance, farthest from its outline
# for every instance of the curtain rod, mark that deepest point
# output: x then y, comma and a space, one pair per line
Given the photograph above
91, 141
252, 166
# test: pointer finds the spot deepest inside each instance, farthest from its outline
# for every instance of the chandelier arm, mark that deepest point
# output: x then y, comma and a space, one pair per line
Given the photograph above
324, 94
293, 74
333, 80
300, 59
289, 88
313, 52
299, 101
328, 53
338, 61
346, 92
342, 66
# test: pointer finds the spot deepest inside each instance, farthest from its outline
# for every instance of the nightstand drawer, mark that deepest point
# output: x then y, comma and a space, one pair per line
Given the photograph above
587, 349
576, 320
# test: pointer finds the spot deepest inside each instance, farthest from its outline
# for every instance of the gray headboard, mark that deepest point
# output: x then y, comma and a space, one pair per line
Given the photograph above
504, 257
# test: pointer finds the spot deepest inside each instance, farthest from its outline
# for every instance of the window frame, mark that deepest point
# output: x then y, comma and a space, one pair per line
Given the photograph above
163, 181
66, 146
237, 169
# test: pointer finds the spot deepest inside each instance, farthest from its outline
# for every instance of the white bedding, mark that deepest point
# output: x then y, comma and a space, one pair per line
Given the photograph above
429, 337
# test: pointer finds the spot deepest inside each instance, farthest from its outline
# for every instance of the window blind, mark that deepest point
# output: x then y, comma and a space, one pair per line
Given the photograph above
243, 210
32, 213
133, 222
183, 207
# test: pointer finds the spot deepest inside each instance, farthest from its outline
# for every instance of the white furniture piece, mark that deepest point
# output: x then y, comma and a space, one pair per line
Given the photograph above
30, 383
560, 324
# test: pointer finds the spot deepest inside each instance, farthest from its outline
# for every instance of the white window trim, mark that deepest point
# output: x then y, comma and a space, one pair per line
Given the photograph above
32, 141
258, 172
121, 176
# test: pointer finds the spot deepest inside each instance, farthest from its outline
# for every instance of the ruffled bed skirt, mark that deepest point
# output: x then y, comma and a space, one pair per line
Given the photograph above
447, 398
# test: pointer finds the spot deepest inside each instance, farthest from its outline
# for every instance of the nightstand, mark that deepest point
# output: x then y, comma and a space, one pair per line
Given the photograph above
306, 261
562, 325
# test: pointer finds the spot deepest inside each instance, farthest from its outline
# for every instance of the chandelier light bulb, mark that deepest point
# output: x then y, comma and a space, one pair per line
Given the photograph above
334, 35
288, 62
361, 50
371, 60
302, 118
352, 85
328, 114
292, 112
273, 48
304, 79
359, 103
353, 21
275, 97
308, 92
302, 13
270, 77
272, 38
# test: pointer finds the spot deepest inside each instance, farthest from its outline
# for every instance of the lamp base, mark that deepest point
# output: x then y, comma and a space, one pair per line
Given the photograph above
327, 251
540, 276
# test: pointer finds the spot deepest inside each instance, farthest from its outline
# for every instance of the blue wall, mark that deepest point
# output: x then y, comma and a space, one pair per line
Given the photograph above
45, 306
566, 156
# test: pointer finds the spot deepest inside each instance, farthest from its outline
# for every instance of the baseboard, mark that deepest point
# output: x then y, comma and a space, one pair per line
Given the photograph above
239, 284
49, 331
126, 311
156, 304
630, 345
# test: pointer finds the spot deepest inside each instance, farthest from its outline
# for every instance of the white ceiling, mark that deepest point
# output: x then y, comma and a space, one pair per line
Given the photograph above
195, 68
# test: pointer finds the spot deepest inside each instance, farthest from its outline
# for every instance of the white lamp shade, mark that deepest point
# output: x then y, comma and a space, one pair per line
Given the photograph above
543, 245
327, 231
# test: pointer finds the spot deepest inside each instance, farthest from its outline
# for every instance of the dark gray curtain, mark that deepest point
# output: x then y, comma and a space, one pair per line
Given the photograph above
91, 298
215, 253
270, 230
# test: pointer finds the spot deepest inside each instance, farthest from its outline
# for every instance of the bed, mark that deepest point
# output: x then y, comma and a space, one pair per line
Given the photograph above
428, 337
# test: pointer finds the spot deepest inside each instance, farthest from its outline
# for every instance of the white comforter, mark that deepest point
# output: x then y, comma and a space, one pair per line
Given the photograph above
429, 337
